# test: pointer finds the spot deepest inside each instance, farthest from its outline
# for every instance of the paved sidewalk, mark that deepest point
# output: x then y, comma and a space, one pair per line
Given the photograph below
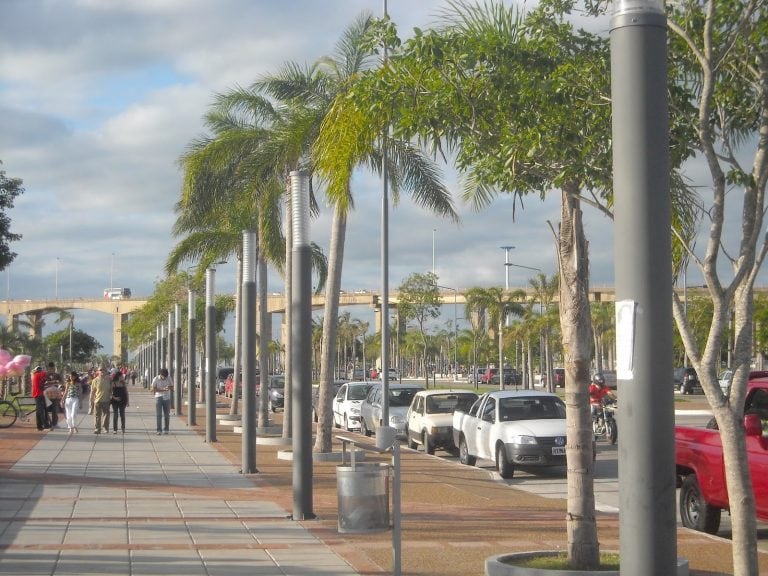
142, 504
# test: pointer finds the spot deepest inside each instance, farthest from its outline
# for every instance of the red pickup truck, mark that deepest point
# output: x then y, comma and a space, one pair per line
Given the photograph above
700, 468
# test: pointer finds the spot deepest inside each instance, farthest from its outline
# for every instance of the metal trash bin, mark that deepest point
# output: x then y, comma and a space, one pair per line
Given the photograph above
363, 492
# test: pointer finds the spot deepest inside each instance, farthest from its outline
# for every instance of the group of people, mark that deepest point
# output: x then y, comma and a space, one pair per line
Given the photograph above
107, 394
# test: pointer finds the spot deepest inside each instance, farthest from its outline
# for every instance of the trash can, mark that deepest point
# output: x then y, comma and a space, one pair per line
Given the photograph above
363, 492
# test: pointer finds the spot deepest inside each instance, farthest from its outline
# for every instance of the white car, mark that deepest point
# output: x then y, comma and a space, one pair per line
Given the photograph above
430, 418
346, 405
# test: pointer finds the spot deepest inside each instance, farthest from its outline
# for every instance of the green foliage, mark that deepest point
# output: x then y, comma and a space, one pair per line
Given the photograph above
84, 346
10, 188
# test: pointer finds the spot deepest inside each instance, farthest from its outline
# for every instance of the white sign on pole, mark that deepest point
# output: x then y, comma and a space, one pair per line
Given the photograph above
625, 339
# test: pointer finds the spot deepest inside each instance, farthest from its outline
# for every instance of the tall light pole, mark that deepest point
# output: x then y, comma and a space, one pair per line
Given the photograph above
434, 273
56, 288
455, 331
643, 270
506, 264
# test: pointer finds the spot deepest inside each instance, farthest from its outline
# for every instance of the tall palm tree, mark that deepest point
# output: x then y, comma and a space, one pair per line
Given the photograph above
544, 291
318, 88
498, 304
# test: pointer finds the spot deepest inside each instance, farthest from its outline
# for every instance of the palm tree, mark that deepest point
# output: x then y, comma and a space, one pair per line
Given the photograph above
544, 291
499, 304
316, 90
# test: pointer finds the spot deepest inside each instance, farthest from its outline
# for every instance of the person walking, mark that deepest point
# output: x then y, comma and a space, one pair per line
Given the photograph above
162, 386
119, 401
91, 393
101, 389
52, 392
38, 393
73, 394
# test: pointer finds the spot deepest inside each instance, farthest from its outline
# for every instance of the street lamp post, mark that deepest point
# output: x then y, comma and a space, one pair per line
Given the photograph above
56, 287
506, 264
455, 332
111, 270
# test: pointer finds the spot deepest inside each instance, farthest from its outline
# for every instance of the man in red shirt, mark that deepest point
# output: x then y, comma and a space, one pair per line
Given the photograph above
38, 386
597, 391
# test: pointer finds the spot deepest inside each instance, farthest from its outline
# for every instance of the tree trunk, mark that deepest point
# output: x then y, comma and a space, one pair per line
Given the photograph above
264, 337
576, 328
330, 320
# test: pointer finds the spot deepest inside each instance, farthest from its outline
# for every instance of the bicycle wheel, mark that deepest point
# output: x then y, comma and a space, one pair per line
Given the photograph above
7, 414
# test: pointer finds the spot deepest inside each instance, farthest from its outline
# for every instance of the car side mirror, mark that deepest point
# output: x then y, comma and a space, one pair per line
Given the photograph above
753, 426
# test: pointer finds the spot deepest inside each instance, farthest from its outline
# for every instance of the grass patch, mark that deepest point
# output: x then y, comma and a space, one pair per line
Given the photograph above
608, 561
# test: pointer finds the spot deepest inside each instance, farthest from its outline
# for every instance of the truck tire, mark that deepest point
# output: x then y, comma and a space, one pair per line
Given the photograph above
503, 465
695, 513
464, 456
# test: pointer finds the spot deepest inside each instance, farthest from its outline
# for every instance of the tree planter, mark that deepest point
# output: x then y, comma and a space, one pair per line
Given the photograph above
500, 565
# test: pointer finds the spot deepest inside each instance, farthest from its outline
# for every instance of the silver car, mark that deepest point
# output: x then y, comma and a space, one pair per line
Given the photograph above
400, 397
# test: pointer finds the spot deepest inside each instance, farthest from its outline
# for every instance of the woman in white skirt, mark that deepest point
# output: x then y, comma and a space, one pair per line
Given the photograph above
72, 394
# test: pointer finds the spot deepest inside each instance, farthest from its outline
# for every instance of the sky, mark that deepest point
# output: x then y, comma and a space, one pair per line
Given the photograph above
99, 99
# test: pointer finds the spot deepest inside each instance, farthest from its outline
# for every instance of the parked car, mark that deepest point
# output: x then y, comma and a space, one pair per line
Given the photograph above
346, 404
690, 383
400, 396
558, 376
724, 379
699, 463
276, 391
336, 384
491, 376
512, 428
356, 374
430, 418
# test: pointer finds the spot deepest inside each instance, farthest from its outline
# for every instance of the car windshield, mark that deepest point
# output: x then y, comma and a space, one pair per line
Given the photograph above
528, 408
447, 403
357, 392
401, 396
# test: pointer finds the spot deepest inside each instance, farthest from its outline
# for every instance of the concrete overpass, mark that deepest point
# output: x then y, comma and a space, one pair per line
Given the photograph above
119, 309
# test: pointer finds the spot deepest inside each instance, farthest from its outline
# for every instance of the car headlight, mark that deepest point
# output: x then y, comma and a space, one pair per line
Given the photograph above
354, 410
396, 420
522, 439
278, 395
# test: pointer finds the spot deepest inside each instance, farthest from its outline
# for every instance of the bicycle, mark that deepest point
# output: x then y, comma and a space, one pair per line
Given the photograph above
20, 407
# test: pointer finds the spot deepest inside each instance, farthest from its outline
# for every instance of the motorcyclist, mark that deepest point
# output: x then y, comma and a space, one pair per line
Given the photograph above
597, 393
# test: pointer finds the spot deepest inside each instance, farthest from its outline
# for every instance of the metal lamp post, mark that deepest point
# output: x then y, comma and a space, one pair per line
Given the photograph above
248, 380
301, 349
178, 392
455, 332
643, 280
191, 358
210, 355
506, 265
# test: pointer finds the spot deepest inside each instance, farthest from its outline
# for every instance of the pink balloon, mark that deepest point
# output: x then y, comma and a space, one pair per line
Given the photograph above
22, 360
5, 356
3, 371
12, 370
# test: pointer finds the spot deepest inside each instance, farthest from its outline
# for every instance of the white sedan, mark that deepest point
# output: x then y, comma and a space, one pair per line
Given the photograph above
346, 405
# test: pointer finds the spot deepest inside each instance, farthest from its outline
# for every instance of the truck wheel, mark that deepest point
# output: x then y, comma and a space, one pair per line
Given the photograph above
503, 465
611, 431
464, 455
429, 446
695, 513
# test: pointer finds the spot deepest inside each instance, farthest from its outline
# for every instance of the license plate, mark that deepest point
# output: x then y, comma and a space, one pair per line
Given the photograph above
558, 451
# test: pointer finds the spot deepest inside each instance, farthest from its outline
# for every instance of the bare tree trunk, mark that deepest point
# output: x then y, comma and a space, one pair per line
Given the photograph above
330, 320
576, 328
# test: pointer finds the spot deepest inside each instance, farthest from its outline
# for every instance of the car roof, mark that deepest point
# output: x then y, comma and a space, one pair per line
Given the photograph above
433, 391
398, 385
520, 394
358, 383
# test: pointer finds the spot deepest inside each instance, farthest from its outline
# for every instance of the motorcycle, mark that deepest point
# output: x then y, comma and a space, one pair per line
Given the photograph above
604, 424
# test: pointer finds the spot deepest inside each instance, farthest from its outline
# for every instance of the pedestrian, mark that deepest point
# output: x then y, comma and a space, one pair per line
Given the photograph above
101, 390
133, 377
38, 393
73, 394
119, 401
162, 386
91, 393
53, 394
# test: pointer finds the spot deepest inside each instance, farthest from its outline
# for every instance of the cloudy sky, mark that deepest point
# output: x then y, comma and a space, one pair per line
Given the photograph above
99, 98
